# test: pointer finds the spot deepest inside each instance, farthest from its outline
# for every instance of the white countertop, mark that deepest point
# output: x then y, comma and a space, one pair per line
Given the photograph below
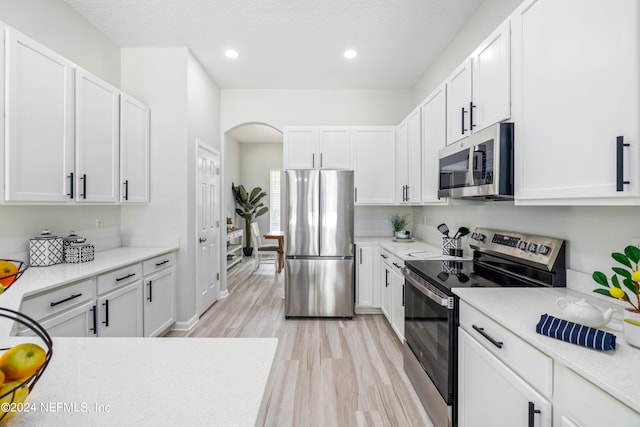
151, 381
407, 251
519, 310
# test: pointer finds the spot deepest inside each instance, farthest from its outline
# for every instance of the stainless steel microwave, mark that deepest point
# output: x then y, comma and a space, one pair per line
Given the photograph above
479, 166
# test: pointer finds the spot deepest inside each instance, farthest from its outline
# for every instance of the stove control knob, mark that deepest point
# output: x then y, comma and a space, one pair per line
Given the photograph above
522, 245
478, 236
532, 247
544, 250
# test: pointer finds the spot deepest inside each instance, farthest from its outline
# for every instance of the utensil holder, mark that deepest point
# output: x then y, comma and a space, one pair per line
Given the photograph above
451, 246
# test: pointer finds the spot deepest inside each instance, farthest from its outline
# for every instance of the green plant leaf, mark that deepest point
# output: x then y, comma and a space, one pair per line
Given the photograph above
623, 272
621, 258
262, 211
633, 253
255, 192
615, 282
602, 292
600, 278
631, 285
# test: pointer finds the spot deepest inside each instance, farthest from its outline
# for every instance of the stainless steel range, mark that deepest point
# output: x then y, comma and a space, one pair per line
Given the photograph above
500, 259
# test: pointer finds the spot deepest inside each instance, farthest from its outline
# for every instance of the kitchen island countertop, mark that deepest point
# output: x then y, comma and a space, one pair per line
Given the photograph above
519, 310
150, 381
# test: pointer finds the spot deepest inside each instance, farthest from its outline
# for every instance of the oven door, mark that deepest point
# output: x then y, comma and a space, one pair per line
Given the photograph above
431, 332
454, 171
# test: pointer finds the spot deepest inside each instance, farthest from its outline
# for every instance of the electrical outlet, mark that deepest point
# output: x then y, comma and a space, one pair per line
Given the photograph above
99, 223
635, 242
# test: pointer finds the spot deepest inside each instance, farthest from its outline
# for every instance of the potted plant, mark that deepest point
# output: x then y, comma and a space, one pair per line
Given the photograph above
249, 207
399, 223
631, 292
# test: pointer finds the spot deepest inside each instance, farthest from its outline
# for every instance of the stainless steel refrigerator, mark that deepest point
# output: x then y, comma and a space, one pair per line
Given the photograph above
319, 262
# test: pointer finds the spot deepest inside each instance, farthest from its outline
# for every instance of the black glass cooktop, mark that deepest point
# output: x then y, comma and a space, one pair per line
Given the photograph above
461, 274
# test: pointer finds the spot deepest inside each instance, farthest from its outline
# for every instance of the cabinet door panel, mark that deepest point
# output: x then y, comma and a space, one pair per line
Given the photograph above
120, 312
134, 151
97, 139
434, 137
75, 322
575, 79
375, 165
397, 303
490, 394
365, 282
299, 144
458, 102
334, 149
40, 122
159, 302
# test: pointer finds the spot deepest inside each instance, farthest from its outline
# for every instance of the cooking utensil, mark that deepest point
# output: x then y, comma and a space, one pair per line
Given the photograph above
462, 231
444, 229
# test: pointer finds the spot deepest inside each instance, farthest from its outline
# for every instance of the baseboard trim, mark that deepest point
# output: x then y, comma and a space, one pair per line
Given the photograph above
368, 310
185, 326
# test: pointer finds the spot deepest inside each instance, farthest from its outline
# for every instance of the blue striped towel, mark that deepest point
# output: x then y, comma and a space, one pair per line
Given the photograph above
575, 333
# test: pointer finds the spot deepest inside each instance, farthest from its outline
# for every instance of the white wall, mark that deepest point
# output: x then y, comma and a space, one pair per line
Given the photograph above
54, 24
231, 175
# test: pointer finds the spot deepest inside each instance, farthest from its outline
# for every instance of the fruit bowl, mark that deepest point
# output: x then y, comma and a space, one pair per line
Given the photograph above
10, 271
14, 391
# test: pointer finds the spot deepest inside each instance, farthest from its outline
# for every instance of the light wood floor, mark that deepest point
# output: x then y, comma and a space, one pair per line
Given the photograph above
326, 372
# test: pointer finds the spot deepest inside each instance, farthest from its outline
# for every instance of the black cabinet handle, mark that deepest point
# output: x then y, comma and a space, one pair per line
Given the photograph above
106, 313
94, 315
471, 107
386, 278
118, 279
532, 414
71, 185
158, 264
397, 266
320, 160
620, 182
84, 185
360, 256
481, 331
150, 299
355, 194
126, 189
384, 256
403, 294
313, 160
407, 197
462, 129
53, 304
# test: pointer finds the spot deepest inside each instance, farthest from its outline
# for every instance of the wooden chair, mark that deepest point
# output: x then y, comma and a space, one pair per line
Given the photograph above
263, 251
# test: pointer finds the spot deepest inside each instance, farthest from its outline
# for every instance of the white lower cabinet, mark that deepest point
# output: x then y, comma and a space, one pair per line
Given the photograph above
76, 322
392, 288
159, 302
385, 277
368, 293
120, 312
491, 394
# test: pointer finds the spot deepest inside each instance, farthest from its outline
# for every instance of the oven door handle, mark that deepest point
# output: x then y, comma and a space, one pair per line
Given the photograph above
442, 300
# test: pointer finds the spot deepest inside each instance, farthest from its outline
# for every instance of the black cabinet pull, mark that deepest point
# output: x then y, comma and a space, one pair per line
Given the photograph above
150, 299
397, 266
84, 185
94, 315
386, 278
384, 256
471, 107
360, 256
481, 331
320, 160
71, 183
158, 264
620, 182
53, 304
532, 414
126, 189
313, 160
355, 194
403, 294
118, 279
463, 130
106, 313
407, 196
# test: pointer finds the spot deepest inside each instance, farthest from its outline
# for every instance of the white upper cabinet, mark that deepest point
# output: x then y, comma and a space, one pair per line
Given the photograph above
134, 151
576, 102
434, 137
375, 165
409, 158
313, 147
39, 151
478, 91
97, 139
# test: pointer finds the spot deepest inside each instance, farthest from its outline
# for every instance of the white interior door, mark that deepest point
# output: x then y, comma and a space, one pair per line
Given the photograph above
208, 228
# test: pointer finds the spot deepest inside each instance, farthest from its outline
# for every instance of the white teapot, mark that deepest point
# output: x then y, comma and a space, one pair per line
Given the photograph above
584, 313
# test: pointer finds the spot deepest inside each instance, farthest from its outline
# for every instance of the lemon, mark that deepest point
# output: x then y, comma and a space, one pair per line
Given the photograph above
616, 293
636, 276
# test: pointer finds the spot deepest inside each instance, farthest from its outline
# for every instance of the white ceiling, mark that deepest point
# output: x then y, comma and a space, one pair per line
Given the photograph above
291, 43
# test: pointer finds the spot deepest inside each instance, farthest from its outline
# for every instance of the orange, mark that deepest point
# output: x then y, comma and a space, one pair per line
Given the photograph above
22, 361
18, 396
7, 269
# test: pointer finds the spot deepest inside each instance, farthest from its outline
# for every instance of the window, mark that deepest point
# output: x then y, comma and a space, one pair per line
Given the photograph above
274, 200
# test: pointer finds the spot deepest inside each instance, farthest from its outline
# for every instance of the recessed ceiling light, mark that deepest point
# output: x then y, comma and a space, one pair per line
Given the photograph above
230, 53
350, 54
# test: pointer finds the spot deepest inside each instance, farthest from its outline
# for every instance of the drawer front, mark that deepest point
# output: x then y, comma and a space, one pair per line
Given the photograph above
44, 305
391, 260
531, 364
158, 263
120, 277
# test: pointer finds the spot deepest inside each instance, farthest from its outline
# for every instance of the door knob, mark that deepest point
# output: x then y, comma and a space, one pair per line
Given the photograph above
203, 239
